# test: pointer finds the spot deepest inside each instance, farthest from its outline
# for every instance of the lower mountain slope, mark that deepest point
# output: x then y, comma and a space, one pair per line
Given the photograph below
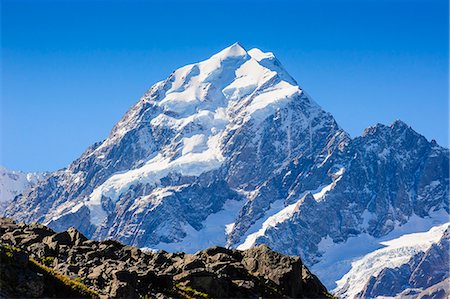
426, 274
368, 267
109, 269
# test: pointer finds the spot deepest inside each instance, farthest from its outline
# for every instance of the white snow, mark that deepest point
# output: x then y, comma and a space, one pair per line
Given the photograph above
154, 199
260, 55
229, 228
200, 103
64, 209
235, 50
274, 208
336, 177
279, 213
272, 221
359, 257
395, 253
319, 195
190, 164
434, 184
194, 144
274, 98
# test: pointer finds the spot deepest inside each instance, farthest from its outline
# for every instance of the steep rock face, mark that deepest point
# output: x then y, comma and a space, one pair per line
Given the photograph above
375, 183
114, 270
425, 270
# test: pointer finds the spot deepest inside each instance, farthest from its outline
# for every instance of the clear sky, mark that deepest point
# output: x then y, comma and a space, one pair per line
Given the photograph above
71, 69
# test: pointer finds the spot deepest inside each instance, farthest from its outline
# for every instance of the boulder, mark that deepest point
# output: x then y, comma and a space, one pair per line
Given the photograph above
76, 237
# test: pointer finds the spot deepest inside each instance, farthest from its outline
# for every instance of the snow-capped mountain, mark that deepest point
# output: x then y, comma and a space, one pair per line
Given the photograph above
231, 151
13, 183
207, 136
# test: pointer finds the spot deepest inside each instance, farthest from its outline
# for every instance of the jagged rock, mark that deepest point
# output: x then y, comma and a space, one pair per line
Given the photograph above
39, 250
59, 239
76, 237
285, 271
131, 252
440, 290
118, 271
193, 263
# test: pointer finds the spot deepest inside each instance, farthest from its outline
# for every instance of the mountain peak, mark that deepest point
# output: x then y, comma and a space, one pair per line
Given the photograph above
382, 128
398, 132
235, 50
259, 55
399, 124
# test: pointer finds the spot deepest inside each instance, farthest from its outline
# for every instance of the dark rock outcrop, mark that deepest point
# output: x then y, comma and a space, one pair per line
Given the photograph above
114, 270
23, 277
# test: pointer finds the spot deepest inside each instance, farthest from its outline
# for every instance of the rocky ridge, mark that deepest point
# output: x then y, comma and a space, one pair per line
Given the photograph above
112, 270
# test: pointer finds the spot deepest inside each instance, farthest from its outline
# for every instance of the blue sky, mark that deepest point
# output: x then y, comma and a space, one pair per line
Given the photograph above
71, 69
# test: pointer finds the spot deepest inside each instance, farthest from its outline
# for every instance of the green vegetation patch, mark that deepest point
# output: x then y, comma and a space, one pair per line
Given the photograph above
47, 260
9, 250
190, 292
74, 285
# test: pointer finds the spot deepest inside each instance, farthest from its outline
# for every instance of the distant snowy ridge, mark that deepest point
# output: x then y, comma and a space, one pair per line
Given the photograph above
13, 183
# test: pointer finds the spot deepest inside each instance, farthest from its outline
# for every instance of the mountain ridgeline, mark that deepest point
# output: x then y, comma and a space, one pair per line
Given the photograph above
231, 151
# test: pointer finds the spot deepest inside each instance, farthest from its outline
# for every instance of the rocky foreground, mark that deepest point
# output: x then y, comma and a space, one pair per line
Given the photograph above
37, 262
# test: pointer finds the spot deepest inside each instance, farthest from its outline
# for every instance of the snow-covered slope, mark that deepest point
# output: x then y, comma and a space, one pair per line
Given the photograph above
231, 151
349, 263
13, 183
406, 268
392, 251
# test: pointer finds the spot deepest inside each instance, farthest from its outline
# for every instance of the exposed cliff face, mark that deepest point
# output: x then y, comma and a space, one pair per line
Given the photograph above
111, 269
375, 183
